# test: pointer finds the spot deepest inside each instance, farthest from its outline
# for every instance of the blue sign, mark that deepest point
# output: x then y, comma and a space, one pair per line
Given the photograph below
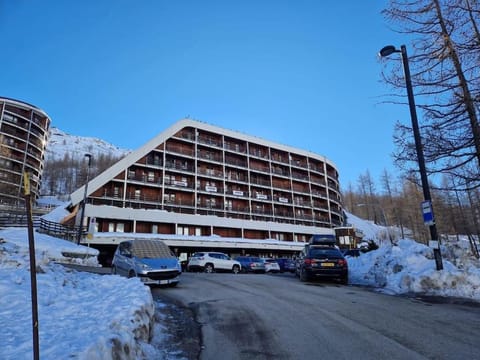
427, 211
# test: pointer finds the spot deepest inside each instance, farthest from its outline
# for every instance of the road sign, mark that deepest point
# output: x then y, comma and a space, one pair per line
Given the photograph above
427, 211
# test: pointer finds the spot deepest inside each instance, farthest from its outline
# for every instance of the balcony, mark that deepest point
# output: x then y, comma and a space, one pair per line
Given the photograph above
210, 172
280, 171
180, 166
237, 193
233, 147
300, 176
235, 162
259, 181
205, 155
213, 189
179, 184
211, 141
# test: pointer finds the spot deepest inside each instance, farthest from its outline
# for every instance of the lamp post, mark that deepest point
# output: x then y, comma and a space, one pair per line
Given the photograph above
82, 215
384, 52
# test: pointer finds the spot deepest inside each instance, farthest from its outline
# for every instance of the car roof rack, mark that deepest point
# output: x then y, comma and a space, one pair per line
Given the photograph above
325, 240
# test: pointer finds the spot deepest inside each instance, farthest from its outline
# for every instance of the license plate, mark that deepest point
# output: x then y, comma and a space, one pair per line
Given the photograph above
328, 264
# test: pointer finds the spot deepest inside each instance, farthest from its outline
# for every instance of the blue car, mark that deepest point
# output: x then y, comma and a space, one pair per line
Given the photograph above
151, 261
286, 265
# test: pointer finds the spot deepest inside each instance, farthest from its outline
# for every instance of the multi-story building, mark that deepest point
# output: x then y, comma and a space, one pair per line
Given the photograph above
196, 179
23, 139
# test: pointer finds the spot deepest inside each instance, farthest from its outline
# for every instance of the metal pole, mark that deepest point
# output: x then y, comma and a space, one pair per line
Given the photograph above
80, 227
419, 148
33, 266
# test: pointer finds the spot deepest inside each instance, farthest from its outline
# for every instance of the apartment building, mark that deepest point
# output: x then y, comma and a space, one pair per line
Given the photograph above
196, 179
23, 139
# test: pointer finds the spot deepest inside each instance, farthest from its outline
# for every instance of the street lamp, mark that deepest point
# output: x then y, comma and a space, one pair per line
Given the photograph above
79, 235
384, 52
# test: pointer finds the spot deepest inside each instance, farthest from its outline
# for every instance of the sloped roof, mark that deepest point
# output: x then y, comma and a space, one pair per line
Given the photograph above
97, 182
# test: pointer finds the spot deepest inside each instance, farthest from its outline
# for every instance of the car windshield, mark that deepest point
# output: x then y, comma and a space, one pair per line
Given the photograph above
320, 253
148, 249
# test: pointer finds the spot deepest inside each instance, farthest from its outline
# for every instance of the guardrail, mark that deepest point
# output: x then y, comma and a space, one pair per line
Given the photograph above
51, 228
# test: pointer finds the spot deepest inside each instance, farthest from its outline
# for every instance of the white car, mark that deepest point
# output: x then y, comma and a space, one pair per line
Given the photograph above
209, 262
271, 265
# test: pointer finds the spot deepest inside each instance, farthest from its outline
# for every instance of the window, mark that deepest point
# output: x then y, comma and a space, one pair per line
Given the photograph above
120, 227
154, 229
131, 174
182, 230
169, 198
211, 203
151, 176
111, 227
137, 194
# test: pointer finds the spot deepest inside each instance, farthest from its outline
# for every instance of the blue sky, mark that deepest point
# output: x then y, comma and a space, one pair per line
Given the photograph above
301, 73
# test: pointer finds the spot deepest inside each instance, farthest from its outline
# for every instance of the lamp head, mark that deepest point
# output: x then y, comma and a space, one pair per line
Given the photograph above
388, 50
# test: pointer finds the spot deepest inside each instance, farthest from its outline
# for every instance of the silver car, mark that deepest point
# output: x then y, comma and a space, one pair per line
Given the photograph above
151, 261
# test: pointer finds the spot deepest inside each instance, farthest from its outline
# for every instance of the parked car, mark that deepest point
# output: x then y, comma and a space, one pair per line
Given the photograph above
251, 264
322, 259
271, 266
286, 264
151, 261
210, 261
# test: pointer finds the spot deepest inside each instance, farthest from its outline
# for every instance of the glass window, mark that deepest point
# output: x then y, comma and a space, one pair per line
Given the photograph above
120, 227
151, 176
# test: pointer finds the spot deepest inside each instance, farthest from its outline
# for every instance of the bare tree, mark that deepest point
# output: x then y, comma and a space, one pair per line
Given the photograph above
446, 80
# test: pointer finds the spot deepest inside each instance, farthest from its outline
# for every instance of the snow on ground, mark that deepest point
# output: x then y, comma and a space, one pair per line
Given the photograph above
89, 316
81, 315
408, 267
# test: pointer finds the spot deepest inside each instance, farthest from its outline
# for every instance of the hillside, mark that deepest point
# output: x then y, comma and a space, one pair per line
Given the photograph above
65, 163
61, 144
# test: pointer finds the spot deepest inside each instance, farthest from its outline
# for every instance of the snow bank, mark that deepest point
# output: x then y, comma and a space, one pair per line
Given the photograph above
81, 315
410, 267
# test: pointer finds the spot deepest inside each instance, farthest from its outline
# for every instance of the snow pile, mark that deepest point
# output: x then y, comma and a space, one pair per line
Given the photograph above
409, 267
81, 315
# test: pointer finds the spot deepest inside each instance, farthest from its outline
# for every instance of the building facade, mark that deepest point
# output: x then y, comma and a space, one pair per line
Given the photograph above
24, 131
195, 179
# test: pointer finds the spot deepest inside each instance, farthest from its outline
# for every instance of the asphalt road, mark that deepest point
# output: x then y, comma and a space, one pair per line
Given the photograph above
255, 316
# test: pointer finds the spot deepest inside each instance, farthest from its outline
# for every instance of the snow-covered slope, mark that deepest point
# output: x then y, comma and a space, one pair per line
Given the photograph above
61, 143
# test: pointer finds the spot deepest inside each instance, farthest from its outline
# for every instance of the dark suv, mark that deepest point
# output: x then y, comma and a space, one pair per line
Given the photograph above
322, 259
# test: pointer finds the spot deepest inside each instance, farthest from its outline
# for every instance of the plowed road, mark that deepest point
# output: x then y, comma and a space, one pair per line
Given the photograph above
250, 316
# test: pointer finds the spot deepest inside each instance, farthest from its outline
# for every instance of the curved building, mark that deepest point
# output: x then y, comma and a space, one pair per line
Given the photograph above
195, 179
23, 139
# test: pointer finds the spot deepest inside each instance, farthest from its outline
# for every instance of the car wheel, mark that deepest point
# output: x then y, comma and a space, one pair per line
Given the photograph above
209, 268
303, 275
236, 269
344, 280
131, 274
173, 284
